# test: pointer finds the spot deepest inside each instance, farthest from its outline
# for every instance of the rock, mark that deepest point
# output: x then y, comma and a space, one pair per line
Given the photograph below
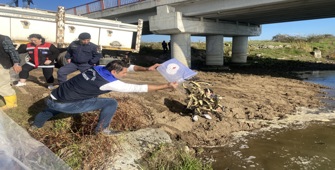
135, 144
317, 53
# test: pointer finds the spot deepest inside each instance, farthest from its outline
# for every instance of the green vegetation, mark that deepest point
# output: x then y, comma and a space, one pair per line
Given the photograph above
284, 53
295, 48
281, 46
166, 157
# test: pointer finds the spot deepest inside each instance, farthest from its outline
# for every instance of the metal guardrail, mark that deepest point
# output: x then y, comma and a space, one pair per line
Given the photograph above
98, 6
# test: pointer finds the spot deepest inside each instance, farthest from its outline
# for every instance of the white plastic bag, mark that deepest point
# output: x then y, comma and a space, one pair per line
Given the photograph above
18, 150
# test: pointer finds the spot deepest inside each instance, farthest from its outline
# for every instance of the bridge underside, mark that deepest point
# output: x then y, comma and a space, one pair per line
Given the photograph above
169, 22
215, 19
252, 11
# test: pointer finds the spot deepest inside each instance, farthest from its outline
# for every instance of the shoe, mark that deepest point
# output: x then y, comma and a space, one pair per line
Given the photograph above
50, 87
19, 84
31, 122
108, 132
207, 116
33, 128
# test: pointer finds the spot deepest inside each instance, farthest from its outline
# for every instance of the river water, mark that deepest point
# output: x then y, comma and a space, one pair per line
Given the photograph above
303, 142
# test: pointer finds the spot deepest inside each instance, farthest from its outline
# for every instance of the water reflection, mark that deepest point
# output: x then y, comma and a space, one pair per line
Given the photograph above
304, 146
326, 78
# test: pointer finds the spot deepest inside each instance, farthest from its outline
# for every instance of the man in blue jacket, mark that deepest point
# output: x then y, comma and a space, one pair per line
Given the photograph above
81, 55
80, 93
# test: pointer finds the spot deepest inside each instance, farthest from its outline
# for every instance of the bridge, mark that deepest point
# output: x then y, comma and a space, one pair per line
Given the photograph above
213, 19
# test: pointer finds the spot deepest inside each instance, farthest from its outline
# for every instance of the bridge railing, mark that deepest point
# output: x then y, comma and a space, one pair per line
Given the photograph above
99, 5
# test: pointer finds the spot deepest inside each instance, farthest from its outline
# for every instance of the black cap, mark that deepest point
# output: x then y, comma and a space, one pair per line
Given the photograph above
84, 36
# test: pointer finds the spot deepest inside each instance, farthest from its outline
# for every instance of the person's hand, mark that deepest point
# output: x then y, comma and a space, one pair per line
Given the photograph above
68, 60
47, 62
17, 68
153, 67
173, 85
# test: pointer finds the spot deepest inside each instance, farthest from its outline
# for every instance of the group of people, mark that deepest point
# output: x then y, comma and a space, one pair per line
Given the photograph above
81, 55
166, 46
26, 3
80, 93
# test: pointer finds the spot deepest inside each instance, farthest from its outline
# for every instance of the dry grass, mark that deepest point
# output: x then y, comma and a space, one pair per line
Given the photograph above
72, 138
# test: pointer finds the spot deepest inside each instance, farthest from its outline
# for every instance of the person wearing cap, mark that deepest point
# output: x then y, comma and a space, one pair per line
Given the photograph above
81, 55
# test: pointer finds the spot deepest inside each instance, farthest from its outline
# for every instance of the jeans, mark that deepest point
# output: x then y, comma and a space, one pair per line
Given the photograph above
107, 105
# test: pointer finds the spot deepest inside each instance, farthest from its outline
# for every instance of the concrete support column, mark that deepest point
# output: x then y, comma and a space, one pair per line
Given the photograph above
240, 49
214, 50
181, 48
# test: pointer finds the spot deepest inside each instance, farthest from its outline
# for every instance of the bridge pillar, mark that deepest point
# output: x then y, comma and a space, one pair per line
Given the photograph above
181, 48
214, 50
240, 49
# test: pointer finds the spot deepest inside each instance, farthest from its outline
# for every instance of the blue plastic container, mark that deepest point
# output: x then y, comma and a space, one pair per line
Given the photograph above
174, 71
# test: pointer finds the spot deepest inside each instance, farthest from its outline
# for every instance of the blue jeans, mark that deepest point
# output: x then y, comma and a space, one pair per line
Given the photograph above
107, 105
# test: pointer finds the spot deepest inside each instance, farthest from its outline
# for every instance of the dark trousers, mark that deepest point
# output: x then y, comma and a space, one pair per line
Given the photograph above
70, 68
47, 73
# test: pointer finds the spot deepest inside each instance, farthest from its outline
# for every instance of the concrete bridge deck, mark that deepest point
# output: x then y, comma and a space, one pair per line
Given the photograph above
214, 19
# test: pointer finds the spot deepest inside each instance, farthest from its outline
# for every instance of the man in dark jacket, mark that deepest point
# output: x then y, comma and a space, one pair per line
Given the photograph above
80, 93
8, 58
81, 55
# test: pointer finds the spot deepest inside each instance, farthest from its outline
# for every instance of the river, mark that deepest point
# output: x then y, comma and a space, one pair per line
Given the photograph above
306, 144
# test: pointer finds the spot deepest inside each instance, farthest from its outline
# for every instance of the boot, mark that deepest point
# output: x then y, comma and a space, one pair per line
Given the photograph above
11, 102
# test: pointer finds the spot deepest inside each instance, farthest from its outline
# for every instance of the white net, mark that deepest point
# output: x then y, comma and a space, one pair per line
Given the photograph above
18, 150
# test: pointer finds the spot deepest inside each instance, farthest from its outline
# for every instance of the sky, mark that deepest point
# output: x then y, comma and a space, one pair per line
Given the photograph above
299, 28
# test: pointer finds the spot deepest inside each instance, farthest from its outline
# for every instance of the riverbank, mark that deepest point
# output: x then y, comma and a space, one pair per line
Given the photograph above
246, 98
252, 96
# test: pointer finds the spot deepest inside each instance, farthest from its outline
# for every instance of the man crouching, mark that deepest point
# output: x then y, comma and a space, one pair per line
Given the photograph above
80, 93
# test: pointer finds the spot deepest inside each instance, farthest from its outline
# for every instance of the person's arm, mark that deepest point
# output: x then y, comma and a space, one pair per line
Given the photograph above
151, 68
69, 52
10, 49
120, 86
14, 55
22, 49
171, 85
96, 55
54, 52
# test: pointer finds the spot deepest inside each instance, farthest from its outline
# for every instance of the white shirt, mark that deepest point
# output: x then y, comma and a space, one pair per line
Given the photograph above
120, 86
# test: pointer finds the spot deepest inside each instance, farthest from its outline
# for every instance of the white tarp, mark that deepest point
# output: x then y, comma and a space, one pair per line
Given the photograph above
19, 151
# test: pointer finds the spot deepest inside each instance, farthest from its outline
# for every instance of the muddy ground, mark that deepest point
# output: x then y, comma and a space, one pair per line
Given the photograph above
248, 95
